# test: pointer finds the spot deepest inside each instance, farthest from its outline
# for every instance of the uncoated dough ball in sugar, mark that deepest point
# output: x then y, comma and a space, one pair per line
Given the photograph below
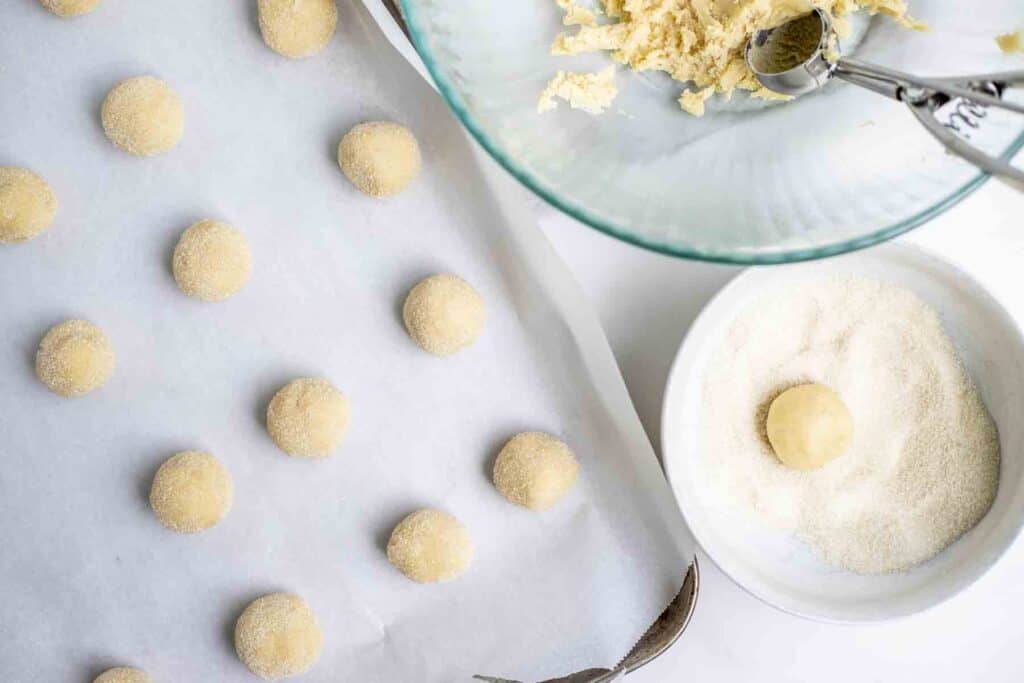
443, 314
27, 204
191, 492
70, 8
430, 545
297, 28
74, 358
308, 418
212, 261
380, 158
535, 470
123, 674
277, 636
809, 426
143, 116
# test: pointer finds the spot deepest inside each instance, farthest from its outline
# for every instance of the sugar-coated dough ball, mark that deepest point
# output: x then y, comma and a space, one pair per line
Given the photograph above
278, 636
430, 545
191, 492
443, 314
70, 8
122, 674
809, 426
308, 418
535, 470
297, 28
74, 358
379, 157
143, 116
212, 261
27, 204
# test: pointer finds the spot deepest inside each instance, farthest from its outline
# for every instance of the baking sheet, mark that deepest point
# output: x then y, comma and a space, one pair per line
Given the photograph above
89, 577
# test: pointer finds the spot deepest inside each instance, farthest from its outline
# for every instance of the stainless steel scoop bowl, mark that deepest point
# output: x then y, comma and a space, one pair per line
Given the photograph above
800, 56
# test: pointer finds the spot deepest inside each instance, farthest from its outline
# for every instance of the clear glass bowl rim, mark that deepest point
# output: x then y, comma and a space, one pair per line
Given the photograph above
580, 213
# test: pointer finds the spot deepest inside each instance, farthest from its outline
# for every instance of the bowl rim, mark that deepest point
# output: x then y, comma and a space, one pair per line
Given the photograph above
672, 465
455, 102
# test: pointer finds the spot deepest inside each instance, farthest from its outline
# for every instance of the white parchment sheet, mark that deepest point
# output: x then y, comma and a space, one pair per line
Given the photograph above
90, 579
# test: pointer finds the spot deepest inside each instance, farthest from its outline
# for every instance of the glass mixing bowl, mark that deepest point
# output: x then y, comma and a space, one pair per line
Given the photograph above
836, 170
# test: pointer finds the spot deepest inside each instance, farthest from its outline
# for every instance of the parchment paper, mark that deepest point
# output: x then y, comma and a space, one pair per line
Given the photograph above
90, 579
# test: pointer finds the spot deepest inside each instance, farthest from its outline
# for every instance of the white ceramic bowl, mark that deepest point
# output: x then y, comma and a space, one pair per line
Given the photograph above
780, 569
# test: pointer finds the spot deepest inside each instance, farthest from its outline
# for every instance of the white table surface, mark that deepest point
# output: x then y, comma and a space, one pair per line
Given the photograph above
646, 302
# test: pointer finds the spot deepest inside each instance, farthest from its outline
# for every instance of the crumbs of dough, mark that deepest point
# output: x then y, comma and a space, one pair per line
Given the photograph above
1011, 42
700, 42
592, 93
692, 101
576, 15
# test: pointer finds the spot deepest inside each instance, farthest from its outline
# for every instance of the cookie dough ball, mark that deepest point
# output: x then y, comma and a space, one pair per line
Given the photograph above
429, 546
278, 636
308, 418
297, 28
809, 426
535, 470
27, 205
380, 158
212, 261
122, 674
74, 358
143, 116
191, 492
70, 8
443, 314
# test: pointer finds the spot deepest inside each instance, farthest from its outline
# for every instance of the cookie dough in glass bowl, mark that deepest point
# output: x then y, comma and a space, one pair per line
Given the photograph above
750, 181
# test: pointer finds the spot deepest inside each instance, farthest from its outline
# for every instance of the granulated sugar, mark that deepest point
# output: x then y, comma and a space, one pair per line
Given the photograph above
923, 466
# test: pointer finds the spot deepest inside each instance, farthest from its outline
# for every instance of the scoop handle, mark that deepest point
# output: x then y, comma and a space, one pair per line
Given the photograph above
923, 96
906, 87
994, 166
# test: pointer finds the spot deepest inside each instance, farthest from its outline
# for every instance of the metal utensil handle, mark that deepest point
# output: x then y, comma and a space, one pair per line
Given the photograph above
924, 95
994, 166
919, 88
1010, 78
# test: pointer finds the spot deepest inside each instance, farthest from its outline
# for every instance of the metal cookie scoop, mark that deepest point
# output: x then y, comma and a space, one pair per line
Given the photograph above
802, 55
